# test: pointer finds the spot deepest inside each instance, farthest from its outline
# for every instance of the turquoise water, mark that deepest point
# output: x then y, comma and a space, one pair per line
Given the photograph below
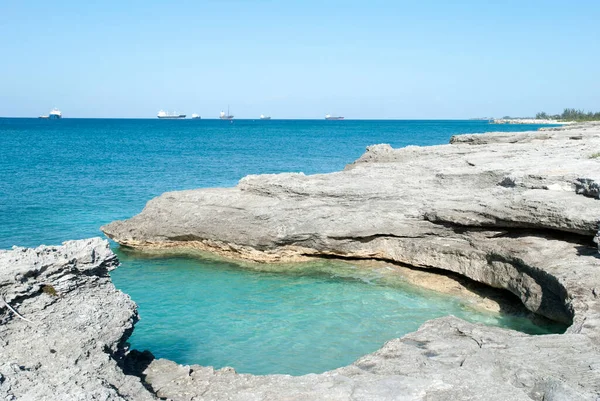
63, 179
293, 319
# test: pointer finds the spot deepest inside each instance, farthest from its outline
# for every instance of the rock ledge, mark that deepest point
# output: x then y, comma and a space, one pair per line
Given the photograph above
516, 211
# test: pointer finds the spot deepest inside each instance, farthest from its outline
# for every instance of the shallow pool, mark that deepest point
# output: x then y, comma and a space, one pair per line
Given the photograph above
265, 319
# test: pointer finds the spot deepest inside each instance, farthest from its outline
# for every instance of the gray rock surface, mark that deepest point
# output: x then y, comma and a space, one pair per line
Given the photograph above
446, 359
72, 346
517, 211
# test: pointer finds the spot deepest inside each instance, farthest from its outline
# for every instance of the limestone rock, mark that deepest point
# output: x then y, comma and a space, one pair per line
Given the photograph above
446, 359
74, 343
516, 211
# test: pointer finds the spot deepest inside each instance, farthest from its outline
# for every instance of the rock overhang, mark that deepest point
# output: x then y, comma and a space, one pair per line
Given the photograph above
439, 207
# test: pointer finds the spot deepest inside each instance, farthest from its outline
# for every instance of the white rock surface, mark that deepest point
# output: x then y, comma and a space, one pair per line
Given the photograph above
79, 322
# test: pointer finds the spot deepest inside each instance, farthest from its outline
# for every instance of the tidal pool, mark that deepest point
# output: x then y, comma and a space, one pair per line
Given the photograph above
292, 319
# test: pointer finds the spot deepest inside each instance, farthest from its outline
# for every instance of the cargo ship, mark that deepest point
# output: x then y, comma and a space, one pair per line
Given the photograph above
330, 117
263, 117
196, 116
167, 115
55, 114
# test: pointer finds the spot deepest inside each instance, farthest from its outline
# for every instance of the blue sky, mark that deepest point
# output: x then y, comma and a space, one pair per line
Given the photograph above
299, 59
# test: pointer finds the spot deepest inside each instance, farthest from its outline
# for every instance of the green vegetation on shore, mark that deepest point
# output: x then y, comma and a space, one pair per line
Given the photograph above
570, 115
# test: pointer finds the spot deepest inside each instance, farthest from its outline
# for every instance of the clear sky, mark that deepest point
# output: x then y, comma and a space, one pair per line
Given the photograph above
299, 59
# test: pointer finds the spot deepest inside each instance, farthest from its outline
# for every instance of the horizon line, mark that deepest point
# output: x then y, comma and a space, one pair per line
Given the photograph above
271, 119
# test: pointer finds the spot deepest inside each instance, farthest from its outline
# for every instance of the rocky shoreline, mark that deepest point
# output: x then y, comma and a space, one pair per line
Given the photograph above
70, 343
515, 211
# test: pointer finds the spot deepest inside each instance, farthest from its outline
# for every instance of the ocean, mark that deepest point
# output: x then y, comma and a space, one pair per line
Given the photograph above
63, 179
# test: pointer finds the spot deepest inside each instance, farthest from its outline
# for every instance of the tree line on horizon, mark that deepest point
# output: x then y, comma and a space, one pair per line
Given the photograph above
570, 115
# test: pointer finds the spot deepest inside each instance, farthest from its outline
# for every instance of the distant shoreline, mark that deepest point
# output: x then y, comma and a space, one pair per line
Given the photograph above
529, 121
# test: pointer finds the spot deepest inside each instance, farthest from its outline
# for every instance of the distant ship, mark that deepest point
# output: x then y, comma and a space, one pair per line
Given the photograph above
164, 114
196, 116
227, 116
330, 117
55, 114
263, 117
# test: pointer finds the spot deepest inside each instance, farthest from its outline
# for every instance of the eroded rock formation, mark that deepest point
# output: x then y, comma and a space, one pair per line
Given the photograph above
517, 211
71, 346
514, 211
